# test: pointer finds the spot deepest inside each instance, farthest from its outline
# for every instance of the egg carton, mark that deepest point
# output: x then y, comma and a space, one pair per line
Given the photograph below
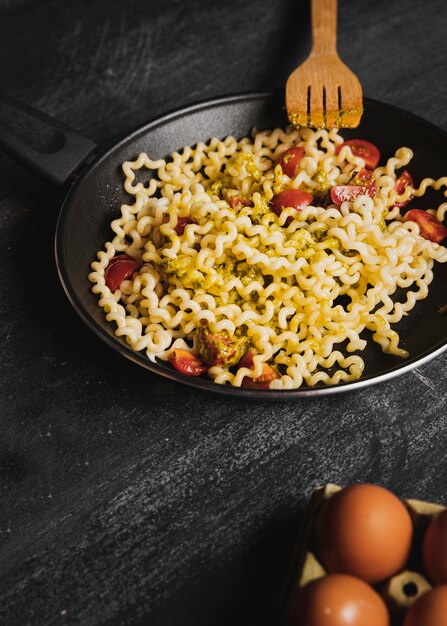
400, 591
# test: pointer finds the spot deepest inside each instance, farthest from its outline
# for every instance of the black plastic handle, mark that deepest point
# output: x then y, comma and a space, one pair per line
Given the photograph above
43, 145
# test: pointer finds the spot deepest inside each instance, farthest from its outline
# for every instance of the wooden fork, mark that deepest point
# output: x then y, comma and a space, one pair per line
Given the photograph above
323, 92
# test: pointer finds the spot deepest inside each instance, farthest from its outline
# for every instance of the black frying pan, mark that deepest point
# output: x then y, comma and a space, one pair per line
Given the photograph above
96, 192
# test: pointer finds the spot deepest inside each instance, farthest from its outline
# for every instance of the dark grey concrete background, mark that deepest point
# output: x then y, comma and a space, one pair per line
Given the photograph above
127, 499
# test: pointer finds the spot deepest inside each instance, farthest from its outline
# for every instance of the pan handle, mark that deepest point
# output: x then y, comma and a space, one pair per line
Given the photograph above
42, 144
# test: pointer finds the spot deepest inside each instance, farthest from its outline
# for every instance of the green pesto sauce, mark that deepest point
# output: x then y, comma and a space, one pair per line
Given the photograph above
248, 273
323, 184
245, 159
346, 118
184, 269
179, 266
321, 176
216, 187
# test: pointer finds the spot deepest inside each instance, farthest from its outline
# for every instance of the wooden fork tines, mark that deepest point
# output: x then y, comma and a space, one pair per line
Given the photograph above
323, 92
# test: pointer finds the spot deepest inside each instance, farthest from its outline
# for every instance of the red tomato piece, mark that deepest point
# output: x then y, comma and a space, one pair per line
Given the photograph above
235, 201
363, 149
341, 193
404, 180
187, 363
294, 198
247, 359
290, 161
119, 258
261, 382
429, 225
120, 268
363, 177
182, 222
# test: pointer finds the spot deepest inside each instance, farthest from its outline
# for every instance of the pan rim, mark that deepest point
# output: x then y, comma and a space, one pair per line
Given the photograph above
207, 384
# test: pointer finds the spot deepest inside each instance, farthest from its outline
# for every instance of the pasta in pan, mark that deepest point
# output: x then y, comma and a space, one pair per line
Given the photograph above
262, 261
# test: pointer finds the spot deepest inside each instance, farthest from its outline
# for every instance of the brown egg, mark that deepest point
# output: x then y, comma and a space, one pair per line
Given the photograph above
338, 600
429, 610
364, 530
434, 549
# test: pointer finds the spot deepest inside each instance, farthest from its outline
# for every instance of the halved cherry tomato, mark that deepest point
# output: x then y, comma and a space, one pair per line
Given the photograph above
120, 268
182, 222
363, 177
234, 201
404, 180
234, 198
341, 193
290, 161
295, 198
363, 149
187, 363
260, 382
429, 225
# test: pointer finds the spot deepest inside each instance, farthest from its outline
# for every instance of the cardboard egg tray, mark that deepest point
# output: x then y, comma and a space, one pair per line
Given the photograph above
400, 591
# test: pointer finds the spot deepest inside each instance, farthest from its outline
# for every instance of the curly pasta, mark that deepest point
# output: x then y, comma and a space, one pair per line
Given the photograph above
299, 288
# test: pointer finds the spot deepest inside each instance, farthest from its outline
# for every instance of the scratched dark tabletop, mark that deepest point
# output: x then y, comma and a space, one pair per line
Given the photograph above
126, 498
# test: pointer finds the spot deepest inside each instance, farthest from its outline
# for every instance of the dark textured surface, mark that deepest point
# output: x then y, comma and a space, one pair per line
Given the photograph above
127, 499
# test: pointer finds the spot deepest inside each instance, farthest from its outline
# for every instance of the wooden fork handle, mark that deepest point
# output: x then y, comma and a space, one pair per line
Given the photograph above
324, 27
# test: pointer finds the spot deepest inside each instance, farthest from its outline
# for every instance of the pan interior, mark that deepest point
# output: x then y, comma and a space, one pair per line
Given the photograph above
84, 223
